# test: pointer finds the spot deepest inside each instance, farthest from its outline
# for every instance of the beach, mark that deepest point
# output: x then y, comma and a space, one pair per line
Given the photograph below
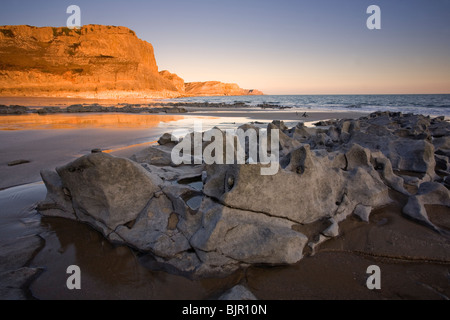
337, 270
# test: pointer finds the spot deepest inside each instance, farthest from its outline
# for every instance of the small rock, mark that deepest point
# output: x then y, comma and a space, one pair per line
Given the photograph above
96, 150
314, 244
17, 162
333, 230
238, 292
363, 212
167, 138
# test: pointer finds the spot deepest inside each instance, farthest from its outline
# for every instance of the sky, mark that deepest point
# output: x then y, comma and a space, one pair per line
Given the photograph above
279, 47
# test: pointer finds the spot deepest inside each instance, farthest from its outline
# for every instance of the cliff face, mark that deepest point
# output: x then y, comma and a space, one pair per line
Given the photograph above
216, 88
174, 79
94, 61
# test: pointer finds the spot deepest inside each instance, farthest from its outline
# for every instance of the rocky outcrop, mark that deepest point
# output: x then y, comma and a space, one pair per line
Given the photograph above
207, 219
94, 61
216, 88
174, 79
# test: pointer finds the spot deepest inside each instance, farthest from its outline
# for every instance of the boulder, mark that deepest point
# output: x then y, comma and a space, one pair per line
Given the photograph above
110, 190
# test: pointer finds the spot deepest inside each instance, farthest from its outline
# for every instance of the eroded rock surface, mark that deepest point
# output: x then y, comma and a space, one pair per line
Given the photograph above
207, 219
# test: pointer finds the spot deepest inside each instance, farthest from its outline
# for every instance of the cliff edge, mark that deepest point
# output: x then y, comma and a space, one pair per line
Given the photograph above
94, 61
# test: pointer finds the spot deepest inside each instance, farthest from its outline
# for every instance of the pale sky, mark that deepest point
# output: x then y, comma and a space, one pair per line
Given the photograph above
279, 47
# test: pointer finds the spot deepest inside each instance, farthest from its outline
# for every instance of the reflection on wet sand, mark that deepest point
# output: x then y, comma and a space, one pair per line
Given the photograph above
84, 120
108, 271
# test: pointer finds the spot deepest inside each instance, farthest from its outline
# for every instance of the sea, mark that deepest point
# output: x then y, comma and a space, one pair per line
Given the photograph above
426, 104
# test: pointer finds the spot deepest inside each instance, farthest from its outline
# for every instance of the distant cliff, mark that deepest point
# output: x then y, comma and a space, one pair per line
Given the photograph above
213, 88
92, 62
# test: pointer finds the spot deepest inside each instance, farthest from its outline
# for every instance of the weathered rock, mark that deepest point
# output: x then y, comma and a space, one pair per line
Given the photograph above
247, 237
155, 230
301, 133
428, 193
412, 155
286, 144
313, 245
156, 155
111, 190
180, 173
280, 125
333, 133
167, 138
210, 219
333, 230
58, 202
384, 167
363, 212
288, 193
238, 292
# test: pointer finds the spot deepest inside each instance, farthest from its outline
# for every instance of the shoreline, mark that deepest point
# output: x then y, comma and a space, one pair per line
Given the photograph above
49, 148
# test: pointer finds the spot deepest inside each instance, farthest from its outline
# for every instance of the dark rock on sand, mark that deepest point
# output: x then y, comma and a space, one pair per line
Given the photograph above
238, 292
13, 109
18, 162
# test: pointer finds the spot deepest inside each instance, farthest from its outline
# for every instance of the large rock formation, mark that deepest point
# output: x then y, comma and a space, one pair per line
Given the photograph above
94, 61
214, 218
216, 88
176, 80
